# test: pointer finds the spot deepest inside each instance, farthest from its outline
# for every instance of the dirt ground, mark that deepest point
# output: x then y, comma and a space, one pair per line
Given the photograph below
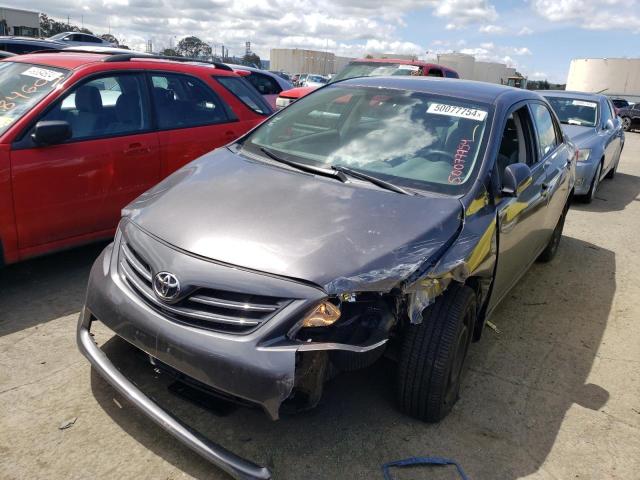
555, 395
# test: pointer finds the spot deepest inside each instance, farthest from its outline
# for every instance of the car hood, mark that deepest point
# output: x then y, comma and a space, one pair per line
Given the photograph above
579, 134
265, 217
297, 92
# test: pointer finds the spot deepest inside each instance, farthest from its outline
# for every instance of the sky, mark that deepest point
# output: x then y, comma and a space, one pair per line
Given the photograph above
538, 37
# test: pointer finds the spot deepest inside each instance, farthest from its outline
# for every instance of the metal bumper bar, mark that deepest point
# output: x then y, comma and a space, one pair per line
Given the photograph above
236, 466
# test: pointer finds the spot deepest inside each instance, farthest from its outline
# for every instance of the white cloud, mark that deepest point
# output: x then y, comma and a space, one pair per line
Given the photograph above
491, 29
525, 31
467, 11
591, 14
538, 76
348, 27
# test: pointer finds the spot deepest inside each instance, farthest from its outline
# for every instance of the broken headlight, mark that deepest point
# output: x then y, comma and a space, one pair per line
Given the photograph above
323, 315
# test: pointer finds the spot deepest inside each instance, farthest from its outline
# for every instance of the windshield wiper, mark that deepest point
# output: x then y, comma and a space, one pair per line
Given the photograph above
369, 178
305, 168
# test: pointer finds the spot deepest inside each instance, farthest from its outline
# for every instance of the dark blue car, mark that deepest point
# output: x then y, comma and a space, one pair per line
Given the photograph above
374, 215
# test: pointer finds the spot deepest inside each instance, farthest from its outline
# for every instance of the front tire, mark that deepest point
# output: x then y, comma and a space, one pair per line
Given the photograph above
433, 355
591, 194
626, 123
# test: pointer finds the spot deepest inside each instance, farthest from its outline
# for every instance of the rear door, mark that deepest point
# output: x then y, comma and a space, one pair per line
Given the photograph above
79, 187
521, 220
191, 119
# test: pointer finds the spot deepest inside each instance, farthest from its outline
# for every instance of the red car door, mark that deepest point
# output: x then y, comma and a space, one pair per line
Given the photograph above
76, 189
192, 119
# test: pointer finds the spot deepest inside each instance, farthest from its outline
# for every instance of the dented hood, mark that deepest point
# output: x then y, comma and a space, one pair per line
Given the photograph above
341, 236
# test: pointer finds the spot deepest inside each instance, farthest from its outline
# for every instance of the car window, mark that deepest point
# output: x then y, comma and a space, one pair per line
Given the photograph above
264, 84
22, 86
450, 74
545, 129
22, 48
515, 145
245, 93
181, 101
410, 138
607, 114
434, 72
104, 106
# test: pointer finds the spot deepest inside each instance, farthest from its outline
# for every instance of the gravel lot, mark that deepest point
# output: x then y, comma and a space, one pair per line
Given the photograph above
555, 395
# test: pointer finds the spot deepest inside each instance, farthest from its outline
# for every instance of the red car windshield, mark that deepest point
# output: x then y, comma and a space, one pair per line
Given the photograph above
23, 85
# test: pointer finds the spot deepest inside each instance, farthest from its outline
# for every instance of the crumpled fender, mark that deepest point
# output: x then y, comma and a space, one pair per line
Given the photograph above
472, 253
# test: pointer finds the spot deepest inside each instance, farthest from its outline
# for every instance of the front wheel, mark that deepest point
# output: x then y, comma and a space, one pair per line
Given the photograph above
433, 355
626, 123
591, 194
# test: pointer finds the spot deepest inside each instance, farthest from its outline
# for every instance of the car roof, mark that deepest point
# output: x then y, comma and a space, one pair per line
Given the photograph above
73, 60
281, 81
481, 92
572, 94
417, 63
40, 41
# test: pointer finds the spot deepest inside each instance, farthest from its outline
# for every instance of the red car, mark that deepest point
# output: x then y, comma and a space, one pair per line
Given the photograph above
83, 134
373, 67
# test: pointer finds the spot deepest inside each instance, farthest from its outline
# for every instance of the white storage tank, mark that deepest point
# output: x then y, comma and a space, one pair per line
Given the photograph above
460, 62
612, 76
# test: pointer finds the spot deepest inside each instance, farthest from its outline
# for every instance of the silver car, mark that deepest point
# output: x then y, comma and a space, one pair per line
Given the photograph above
79, 38
591, 123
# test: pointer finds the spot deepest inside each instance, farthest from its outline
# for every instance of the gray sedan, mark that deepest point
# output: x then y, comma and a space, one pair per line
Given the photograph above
591, 123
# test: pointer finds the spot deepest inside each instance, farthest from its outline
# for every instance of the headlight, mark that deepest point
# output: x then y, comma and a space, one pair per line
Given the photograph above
282, 102
584, 154
325, 314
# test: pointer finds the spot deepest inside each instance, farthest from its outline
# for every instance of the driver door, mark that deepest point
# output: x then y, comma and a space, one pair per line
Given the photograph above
521, 219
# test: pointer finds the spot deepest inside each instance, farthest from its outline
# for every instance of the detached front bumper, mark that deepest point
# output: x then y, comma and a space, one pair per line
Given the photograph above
236, 466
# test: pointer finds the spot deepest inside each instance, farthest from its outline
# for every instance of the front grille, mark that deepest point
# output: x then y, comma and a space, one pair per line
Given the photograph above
203, 307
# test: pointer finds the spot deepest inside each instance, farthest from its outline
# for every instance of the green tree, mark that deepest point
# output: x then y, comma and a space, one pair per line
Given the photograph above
251, 59
110, 38
50, 27
169, 52
193, 47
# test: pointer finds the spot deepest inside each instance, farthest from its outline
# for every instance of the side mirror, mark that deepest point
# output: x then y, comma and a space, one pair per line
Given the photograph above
516, 178
51, 132
609, 125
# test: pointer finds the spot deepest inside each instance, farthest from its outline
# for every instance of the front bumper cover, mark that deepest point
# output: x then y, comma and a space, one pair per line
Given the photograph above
236, 466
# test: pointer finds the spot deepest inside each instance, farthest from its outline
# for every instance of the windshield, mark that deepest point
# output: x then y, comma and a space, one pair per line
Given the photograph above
412, 139
573, 111
375, 69
22, 85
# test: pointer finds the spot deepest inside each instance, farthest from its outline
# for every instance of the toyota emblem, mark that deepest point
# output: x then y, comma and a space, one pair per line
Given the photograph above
166, 286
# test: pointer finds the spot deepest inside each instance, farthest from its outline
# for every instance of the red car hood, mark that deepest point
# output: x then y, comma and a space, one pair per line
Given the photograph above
297, 92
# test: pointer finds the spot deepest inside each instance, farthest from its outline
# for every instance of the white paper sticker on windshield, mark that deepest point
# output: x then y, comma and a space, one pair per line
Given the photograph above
582, 103
413, 68
42, 73
457, 111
